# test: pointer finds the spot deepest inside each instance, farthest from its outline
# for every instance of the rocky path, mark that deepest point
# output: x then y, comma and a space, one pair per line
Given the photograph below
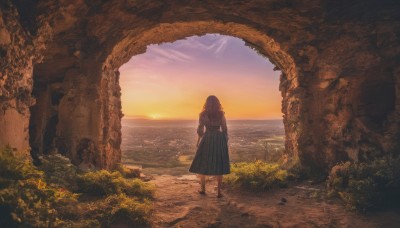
178, 204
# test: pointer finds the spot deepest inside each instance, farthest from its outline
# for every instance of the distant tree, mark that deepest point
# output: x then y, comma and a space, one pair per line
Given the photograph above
266, 147
272, 153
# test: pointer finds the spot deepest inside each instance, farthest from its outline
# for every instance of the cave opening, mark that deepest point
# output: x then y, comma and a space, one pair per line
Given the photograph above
78, 95
163, 91
292, 102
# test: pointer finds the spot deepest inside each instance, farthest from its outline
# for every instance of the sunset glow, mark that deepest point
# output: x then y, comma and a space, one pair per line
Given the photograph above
172, 80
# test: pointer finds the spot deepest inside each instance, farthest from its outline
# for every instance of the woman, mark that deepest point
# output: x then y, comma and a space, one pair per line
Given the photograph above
212, 157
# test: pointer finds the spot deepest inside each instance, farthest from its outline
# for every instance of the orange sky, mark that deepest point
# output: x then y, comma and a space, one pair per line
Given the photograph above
172, 80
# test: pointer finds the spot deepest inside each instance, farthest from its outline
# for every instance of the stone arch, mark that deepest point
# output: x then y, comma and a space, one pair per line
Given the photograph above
68, 53
263, 44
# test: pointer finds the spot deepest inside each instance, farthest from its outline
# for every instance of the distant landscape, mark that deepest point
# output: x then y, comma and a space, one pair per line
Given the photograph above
168, 146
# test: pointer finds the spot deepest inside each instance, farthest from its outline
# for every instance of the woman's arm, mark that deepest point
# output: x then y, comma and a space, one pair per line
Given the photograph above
200, 130
224, 127
198, 141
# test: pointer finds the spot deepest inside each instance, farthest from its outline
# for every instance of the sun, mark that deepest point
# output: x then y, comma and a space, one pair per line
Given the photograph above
155, 116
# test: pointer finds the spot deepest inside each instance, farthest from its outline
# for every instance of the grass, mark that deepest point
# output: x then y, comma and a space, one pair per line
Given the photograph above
106, 211
55, 194
258, 175
105, 183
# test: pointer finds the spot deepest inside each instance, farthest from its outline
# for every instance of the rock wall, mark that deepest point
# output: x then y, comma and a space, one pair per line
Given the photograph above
352, 97
339, 63
19, 50
83, 121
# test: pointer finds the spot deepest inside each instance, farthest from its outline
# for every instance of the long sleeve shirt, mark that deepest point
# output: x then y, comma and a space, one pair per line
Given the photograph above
204, 122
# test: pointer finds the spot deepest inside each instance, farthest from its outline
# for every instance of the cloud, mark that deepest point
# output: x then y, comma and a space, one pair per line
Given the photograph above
220, 45
191, 49
190, 43
211, 44
161, 54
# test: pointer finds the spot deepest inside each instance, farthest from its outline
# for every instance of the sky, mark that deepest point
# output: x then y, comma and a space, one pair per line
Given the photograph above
173, 80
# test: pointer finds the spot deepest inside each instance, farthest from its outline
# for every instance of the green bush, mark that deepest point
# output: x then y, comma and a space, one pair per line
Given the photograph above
59, 170
12, 168
296, 171
30, 197
25, 197
128, 171
119, 207
104, 183
367, 186
33, 203
256, 175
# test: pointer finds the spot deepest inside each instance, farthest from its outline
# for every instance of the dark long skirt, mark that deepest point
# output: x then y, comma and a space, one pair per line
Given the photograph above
212, 157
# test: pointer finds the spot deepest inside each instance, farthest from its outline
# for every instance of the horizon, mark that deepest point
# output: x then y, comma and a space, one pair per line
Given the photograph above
161, 119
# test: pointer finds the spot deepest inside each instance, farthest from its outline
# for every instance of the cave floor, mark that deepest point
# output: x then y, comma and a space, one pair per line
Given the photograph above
177, 204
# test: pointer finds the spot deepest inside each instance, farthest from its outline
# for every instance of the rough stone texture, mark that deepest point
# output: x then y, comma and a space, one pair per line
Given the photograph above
339, 59
19, 50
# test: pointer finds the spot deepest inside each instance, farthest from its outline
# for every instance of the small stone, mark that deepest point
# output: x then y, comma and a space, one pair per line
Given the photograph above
327, 74
245, 214
5, 38
77, 53
284, 200
214, 224
324, 84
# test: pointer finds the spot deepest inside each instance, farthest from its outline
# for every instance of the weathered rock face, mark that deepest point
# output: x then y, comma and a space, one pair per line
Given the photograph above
19, 49
340, 63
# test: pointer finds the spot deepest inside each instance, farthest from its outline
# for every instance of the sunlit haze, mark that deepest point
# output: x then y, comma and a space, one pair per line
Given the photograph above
172, 80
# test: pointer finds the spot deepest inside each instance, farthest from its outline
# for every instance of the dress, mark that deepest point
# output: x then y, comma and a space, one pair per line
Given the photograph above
212, 157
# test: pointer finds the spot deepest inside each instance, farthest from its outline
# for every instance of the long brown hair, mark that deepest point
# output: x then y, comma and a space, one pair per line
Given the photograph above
212, 108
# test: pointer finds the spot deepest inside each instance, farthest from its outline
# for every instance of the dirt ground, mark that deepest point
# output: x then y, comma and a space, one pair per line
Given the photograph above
177, 204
